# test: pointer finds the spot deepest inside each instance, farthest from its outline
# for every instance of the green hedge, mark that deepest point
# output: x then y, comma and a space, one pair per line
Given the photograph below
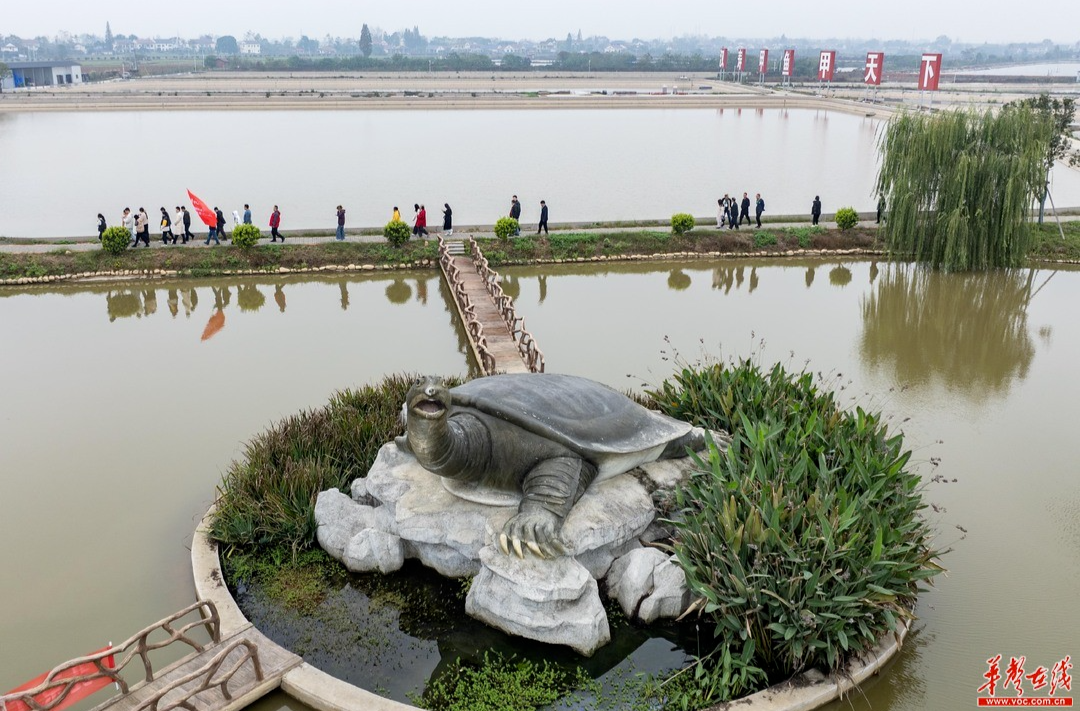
396, 232
681, 222
115, 240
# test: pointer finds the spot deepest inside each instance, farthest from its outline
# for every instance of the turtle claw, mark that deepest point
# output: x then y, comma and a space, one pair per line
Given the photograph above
502, 544
517, 547
537, 551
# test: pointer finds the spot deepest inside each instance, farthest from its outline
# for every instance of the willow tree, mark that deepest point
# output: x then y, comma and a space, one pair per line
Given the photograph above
960, 186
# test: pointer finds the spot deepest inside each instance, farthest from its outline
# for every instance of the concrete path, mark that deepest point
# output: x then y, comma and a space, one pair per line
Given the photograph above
86, 245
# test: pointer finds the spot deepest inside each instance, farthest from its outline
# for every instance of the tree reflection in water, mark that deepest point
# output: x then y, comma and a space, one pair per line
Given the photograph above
398, 292
249, 298
678, 280
968, 330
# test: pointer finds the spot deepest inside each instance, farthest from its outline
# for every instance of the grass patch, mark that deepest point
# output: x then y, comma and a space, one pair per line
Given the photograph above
804, 542
210, 262
499, 683
267, 500
296, 582
1046, 241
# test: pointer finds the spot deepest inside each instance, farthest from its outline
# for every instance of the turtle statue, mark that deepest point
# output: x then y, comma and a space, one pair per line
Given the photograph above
546, 436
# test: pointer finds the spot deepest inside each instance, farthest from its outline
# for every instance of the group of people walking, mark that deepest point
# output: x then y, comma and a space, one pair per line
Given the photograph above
731, 212
177, 227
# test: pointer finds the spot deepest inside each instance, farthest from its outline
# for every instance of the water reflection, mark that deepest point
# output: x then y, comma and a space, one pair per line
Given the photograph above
678, 280
969, 330
126, 302
840, 276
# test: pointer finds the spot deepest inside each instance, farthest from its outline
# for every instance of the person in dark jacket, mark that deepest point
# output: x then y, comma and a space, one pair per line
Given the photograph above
166, 227
745, 209
220, 223
447, 219
187, 224
515, 212
101, 225
759, 207
543, 218
733, 213
815, 210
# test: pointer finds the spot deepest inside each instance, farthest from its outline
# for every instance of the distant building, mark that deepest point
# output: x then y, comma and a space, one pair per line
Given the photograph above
28, 74
250, 48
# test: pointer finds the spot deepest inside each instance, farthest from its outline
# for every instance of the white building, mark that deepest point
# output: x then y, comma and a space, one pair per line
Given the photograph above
29, 74
250, 48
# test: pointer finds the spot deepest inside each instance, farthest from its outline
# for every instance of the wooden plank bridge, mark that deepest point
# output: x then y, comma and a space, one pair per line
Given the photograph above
218, 674
497, 335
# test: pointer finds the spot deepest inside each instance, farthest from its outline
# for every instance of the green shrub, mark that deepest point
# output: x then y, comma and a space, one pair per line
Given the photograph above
846, 218
803, 542
396, 232
268, 499
115, 240
245, 236
681, 223
498, 683
505, 227
764, 239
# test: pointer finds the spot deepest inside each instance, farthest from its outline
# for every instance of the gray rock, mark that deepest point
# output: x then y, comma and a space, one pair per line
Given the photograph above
609, 514
630, 579
339, 518
371, 550
360, 493
554, 601
669, 597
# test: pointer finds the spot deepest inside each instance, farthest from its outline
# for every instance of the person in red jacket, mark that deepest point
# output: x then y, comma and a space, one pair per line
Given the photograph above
275, 222
421, 222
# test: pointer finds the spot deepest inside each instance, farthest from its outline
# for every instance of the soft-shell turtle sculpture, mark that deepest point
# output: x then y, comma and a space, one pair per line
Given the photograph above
548, 436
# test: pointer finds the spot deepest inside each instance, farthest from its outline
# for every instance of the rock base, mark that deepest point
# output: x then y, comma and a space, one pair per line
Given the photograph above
401, 511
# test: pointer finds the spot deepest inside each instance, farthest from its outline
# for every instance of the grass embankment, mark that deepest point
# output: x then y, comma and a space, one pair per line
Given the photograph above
803, 544
572, 245
1047, 244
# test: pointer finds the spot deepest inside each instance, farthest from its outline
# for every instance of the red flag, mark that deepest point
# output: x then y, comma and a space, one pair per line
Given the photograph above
205, 213
77, 691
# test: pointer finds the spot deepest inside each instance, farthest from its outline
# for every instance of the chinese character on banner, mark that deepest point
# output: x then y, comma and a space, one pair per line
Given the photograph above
826, 65
763, 61
1014, 675
740, 60
723, 58
787, 66
929, 72
875, 64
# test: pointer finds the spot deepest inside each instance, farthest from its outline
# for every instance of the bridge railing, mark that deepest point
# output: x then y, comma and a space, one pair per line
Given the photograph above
526, 342
65, 678
473, 326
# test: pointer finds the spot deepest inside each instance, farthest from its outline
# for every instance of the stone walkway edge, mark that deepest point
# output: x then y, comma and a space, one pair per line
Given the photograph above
309, 685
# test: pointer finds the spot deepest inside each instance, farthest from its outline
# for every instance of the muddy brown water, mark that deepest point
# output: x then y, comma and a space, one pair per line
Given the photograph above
117, 422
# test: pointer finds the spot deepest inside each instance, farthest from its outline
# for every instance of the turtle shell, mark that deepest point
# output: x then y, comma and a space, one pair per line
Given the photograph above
581, 414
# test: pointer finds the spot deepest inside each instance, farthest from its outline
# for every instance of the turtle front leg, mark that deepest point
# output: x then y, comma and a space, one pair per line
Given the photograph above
550, 490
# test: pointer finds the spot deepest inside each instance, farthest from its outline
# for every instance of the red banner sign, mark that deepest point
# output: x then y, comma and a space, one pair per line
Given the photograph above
763, 61
929, 72
723, 59
875, 64
79, 689
787, 65
740, 60
826, 65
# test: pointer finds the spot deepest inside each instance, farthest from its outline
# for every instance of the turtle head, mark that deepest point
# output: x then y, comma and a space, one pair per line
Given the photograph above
428, 398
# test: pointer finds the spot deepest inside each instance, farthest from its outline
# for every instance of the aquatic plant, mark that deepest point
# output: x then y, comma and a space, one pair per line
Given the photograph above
803, 542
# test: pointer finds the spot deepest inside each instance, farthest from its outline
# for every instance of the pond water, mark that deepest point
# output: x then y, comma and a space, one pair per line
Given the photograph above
118, 421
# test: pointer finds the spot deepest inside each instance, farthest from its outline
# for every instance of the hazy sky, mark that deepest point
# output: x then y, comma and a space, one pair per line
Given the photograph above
966, 20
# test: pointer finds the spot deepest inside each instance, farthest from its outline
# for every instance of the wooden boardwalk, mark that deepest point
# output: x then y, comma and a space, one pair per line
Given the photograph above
223, 674
497, 336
